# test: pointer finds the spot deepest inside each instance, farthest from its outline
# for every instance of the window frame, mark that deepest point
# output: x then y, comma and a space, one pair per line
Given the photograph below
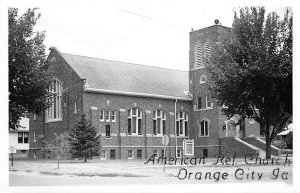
208, 101
199, 101
185, 144
137, 154
113, 116
132, 154
22, 137
101, 115
179, 152
205, 129
137, 124
159, 120
107, 116
56, 99
106, 136
182, 121
110, 154
105, 154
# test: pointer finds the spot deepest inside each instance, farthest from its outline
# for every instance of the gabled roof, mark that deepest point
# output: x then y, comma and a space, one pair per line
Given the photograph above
130, 79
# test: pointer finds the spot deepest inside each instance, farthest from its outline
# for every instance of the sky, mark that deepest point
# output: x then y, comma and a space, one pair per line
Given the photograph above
145, 32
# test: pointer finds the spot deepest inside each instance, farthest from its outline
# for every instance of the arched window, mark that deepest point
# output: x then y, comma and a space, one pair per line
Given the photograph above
207, 49
134, 121
159, 122
198, 56
181, 124
54, 112
202, 79
204, 128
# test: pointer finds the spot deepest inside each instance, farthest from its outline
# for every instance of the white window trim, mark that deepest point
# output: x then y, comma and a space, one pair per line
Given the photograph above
115, 116
59, 88
188, 141
206, 103
106, 137
136, 121
199, 127
101, 112
132, 154
184, 120
179, 153
162, 119
105, 155
107, 120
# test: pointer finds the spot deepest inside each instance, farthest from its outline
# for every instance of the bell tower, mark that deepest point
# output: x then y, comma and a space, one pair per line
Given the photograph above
201, 42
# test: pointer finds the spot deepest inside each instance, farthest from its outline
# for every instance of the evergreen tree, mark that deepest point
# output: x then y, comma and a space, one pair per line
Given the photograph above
251, 73
84, 140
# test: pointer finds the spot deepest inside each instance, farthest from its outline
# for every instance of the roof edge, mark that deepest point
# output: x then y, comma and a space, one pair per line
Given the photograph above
61, 55
95, 90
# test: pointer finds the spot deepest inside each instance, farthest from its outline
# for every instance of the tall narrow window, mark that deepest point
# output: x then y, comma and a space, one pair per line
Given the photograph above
107, 116
54, 113
113, 116
107, 131
112, 154
139, 154
130, 154
178, 153
198, 56
204, 126
134, 121
20, 137
102, 115
159, 122
199, 103
209, 104
181, 124
103, 154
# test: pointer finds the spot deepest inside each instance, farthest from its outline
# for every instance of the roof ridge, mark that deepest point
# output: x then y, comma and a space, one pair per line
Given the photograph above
125, 62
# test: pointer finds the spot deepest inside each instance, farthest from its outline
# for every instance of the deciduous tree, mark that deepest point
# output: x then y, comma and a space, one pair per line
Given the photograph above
29, 74
251, 73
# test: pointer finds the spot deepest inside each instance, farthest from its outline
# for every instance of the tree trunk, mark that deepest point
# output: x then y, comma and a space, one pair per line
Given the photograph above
268, 142
58, 163
84, 158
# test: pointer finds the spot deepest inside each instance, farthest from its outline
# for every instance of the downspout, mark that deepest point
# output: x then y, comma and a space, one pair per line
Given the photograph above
175, 129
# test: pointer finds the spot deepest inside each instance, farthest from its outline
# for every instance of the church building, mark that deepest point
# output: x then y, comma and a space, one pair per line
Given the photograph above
133, 106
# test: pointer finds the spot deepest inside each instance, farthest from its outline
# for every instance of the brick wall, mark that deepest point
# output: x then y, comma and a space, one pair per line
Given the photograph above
72, 86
